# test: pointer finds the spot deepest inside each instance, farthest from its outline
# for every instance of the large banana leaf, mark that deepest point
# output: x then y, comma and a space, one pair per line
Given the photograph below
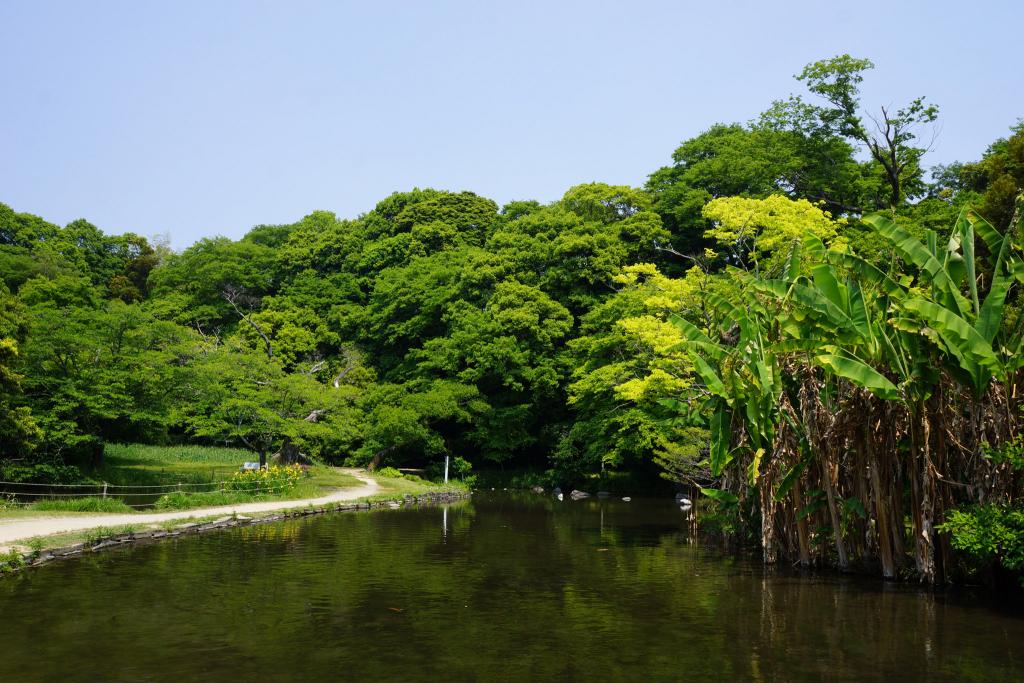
695, 338
754, 469
961, 337
867, 272
923, 258
808, 297
825, 279
859, 373
963, 238
990, 317
859, 314
989, 234
708, 375
814, 248
720, 436
730, 312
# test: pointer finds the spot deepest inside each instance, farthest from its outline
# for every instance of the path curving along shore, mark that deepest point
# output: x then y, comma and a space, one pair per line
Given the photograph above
14, 530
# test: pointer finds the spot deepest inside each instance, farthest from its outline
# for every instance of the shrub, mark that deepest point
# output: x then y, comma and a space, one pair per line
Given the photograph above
989, 534
42, 473
11, 561
388, 472
720, 517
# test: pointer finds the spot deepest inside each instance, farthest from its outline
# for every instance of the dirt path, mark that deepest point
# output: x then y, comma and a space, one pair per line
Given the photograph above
20, 529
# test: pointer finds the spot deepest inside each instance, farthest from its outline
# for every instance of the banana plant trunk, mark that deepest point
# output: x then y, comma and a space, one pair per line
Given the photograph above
767, 523
803, 538
837, 527
883, 527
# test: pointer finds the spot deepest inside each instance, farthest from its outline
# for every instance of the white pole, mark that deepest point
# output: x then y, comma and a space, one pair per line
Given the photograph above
446, 469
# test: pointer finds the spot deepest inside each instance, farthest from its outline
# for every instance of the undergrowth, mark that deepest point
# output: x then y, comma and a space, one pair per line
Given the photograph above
82, 505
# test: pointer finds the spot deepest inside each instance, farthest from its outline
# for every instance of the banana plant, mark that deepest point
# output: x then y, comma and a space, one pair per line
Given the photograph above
966, 329
742, 381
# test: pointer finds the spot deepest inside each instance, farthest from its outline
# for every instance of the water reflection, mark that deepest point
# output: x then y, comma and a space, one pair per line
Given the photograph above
506, 587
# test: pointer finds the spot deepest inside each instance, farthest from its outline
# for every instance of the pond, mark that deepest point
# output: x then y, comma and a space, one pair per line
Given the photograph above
506, 587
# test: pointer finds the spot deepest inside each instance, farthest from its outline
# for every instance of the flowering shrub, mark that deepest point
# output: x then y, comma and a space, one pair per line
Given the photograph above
274, 479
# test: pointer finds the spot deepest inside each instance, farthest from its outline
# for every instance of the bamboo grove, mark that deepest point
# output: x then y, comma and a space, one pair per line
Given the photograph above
851, 407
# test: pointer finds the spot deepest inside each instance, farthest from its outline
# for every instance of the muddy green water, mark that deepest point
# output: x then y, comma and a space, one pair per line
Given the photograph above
503, 588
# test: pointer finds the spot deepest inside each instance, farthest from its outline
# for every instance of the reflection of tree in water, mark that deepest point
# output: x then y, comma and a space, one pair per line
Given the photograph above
505, 588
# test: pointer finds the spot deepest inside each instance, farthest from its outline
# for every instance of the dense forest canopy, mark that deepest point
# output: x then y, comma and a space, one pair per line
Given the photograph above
700, 328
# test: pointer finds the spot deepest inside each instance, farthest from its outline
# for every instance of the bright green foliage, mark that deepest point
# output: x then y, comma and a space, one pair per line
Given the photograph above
623, 363
764, 230
190, 287
769, 158
18, 430
96, 368
785, 360
240, 396
29, 247
93, 504
414, 418
989, 534
992, 533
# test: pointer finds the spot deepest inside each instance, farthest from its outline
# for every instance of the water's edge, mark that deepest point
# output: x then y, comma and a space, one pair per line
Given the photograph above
35, 559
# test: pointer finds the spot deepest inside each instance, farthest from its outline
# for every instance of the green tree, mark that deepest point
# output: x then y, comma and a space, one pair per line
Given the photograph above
779, 154
96, 369
19, 433
190, 288
998, 177
891, 138
238, 395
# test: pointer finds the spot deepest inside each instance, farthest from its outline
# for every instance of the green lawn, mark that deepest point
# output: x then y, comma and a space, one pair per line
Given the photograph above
138, 465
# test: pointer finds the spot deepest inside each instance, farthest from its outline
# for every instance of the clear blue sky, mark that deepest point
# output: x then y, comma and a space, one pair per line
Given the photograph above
208, 117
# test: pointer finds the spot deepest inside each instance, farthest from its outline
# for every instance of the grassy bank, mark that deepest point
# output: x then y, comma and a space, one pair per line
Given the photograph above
139, 465
391, 489
142, 465
195, 468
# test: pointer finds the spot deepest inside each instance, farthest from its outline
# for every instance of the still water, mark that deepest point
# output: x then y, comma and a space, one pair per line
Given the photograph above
502, 588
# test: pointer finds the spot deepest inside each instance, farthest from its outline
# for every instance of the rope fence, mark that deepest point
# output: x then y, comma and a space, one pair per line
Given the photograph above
9, 497
117, 486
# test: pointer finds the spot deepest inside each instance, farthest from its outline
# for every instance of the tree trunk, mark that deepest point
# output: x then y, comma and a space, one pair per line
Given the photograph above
837, 527
922, 487
767, 523
882, 524
290, 454
803, 538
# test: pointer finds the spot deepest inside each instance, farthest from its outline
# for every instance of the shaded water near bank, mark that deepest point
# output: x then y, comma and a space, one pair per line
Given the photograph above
503, 587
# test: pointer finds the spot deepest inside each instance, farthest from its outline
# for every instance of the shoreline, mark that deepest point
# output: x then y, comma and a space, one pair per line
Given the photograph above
15, 561
14, 531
